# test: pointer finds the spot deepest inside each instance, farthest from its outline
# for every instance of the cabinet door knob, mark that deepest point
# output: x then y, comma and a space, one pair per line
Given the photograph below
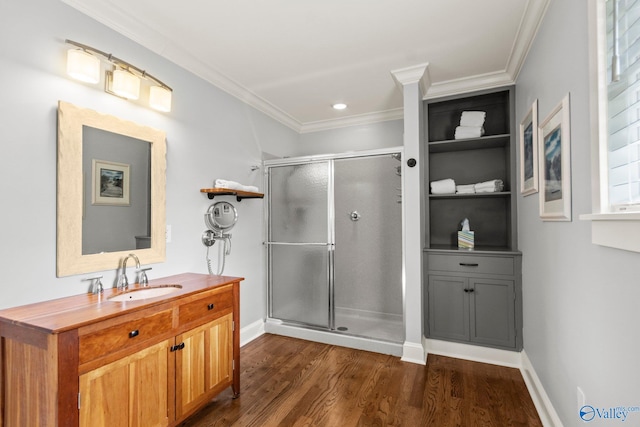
210, 306
469, 264
134, 334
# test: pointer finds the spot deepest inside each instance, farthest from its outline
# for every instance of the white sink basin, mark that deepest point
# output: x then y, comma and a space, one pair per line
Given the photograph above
144, 293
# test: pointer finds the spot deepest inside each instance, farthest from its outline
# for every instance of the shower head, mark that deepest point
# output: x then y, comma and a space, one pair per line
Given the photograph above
397, 156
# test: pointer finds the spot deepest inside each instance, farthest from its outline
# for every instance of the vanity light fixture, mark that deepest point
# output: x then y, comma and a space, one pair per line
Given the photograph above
123, 83
83, 66
339, 106
123, 80
160, 98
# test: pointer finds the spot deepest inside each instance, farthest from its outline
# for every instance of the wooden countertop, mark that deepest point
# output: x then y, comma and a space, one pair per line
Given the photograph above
59, 315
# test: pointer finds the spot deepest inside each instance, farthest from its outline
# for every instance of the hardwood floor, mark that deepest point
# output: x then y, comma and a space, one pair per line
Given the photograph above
291, 382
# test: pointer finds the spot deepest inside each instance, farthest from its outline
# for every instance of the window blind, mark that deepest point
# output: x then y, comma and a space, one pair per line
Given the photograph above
624, 105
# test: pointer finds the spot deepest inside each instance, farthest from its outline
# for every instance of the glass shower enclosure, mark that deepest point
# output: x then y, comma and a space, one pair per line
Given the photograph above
334, 240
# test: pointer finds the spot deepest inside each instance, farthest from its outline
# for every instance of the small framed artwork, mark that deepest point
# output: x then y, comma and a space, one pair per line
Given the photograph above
554, 143
110, 183
529, 151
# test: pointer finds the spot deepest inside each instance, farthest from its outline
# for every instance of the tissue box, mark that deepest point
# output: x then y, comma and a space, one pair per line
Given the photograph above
466, 239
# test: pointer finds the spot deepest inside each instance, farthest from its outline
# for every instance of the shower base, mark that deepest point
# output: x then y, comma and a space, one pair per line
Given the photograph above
364, 331
382, 326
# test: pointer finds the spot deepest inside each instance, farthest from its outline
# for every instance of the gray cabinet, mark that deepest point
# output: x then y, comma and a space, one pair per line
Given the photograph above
472, 296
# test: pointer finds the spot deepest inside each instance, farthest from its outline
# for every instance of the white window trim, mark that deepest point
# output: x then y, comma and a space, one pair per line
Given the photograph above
614, 229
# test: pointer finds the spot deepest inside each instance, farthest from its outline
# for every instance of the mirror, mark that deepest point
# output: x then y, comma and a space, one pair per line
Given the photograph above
111, 191
116, 212
221, 216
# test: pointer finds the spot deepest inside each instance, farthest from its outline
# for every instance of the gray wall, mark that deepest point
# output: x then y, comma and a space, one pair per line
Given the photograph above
581, 312
209, 135
353, 138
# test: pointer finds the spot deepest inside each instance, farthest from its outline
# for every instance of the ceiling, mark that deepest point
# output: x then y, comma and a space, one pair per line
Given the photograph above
293, 59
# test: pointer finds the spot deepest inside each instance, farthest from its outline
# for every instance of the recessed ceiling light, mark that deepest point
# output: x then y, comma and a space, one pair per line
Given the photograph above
339, 106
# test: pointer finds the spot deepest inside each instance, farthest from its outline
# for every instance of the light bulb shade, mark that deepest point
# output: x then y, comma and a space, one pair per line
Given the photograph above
125, 84
160, 98
83, 66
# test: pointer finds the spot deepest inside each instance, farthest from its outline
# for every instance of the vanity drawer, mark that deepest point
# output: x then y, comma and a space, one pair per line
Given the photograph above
210, 306
107, 337
472, 264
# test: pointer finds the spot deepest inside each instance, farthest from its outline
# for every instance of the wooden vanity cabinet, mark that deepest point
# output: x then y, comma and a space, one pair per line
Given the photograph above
84, 361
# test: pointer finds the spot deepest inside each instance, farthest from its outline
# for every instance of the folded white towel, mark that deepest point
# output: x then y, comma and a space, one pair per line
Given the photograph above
232, 185
472, 118
466, 189
463, 132
493, 186
443, 186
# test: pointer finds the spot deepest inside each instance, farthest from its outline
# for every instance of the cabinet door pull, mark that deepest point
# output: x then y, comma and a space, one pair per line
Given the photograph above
469, 264
134, 333
177, 347
210, 306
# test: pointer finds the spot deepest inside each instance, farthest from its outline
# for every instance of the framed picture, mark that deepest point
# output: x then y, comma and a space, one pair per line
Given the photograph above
110, 183
555, 156
529, 151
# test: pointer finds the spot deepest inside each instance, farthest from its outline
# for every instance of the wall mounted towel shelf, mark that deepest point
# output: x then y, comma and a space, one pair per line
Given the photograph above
212, 192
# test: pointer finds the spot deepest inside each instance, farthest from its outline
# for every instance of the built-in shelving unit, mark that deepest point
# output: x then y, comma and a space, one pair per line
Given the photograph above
472, 296
212, 192
470, 161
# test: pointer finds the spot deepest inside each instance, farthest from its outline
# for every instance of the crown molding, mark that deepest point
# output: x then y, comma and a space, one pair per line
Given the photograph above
355, 120
529, 26
469, 84
415, 74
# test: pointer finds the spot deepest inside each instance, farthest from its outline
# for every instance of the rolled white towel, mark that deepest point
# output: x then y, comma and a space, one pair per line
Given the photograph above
463, 132
233, 185
466, 189
443, 186
472, 118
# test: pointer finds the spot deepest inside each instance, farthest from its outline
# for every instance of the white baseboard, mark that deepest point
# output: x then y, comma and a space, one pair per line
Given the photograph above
546, 411
474, 353
413, 353
251, 332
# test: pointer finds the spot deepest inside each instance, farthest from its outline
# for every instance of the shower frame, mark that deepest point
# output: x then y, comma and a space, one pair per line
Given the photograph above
292, 161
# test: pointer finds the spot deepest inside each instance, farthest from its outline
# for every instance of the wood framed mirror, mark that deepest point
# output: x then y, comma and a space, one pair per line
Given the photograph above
111, 191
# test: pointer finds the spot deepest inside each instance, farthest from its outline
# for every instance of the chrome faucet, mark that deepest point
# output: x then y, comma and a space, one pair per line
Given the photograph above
96, 285
144, 280
123, 281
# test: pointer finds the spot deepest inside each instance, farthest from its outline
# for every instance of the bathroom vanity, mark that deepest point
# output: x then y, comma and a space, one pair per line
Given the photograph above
88, 360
